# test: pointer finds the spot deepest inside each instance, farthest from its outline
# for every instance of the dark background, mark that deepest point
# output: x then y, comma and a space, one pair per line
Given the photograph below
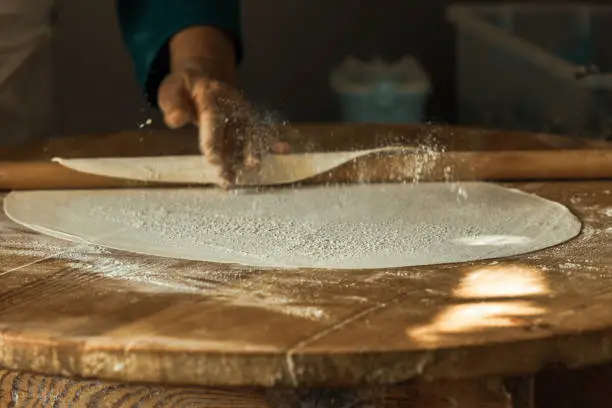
291, 45
288, 61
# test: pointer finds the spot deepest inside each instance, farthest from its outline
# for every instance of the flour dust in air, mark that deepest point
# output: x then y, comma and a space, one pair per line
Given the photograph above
346, 227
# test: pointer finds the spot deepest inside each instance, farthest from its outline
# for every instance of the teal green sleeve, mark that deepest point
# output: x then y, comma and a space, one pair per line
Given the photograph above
148, 25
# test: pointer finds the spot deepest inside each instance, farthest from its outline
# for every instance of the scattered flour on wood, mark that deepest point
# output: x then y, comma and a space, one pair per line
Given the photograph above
162, 275
569, 265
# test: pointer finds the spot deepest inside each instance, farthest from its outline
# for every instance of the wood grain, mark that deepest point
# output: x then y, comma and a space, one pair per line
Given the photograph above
28, 390
77, 310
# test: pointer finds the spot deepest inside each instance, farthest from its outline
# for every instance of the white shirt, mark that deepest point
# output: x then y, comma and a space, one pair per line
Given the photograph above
27, 111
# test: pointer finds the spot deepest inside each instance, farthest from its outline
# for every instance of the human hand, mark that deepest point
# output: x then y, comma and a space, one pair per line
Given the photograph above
201, 89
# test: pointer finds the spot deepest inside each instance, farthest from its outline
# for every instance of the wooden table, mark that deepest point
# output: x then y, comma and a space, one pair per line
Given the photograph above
83, 326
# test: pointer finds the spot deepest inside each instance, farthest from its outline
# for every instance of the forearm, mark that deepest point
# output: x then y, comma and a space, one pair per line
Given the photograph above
161, 34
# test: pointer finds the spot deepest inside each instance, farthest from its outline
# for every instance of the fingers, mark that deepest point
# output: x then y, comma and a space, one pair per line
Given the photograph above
252, 155
280, 148
259, 140
209, 130
230, 134
210, 133
217, 133
175, 101
251, 147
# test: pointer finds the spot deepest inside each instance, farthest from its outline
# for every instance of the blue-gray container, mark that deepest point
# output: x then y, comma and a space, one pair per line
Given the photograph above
377, 92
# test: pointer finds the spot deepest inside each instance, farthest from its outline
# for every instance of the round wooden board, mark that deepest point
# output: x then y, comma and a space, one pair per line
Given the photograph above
73, 309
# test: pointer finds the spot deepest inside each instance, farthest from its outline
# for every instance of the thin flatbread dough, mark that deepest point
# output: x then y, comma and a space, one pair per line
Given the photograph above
345, 227
275, 169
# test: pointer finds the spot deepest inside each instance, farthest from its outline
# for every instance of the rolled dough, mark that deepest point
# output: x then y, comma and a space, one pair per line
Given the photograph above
345, 227
275, 169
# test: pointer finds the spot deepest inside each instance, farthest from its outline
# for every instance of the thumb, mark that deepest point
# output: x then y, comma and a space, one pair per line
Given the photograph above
175, 102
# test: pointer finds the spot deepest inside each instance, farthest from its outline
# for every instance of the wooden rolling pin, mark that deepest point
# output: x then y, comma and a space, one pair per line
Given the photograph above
448, 166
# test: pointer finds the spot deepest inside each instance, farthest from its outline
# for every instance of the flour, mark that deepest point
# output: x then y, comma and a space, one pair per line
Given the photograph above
575, 199
570, 265
428, 152
134, 273
348, 227
146, 123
